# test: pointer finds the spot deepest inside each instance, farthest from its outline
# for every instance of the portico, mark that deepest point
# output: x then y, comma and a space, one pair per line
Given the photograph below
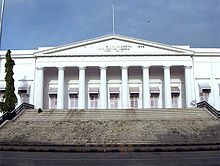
129, 88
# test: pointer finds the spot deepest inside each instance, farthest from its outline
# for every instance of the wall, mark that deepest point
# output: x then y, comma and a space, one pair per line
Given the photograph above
207, 70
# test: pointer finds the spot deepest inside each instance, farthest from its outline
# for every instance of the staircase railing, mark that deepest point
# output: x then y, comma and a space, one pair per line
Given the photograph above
16, 111
204, 104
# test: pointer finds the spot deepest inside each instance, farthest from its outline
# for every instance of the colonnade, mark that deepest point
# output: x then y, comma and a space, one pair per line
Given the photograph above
103, 87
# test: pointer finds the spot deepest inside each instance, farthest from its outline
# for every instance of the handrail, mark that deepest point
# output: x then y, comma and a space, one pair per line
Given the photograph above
16, 111
211, 109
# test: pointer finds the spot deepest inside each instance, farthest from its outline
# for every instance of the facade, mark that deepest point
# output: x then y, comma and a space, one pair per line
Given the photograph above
115, 72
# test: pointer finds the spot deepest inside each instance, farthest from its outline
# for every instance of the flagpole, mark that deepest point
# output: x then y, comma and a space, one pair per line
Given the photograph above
113, 19
1, 21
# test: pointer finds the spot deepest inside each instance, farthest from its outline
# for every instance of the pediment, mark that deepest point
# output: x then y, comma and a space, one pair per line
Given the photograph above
113, 45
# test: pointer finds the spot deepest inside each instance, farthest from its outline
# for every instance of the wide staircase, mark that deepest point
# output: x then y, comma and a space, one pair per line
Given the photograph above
98, 127
106, 115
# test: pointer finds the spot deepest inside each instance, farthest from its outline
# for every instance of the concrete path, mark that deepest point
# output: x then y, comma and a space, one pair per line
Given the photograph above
197, 158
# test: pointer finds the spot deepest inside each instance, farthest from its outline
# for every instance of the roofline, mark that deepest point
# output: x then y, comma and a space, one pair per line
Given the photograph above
113, 36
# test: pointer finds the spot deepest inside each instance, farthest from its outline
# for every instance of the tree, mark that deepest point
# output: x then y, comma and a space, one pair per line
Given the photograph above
9, 96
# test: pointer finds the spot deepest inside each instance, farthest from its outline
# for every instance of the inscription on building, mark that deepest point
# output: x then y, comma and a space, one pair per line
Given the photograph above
116, 48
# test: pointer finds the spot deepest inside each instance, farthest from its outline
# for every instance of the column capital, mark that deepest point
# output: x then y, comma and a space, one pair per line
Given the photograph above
124, 67
145, 67
187, 67
166, 67
61, 68
82, 68
103, 67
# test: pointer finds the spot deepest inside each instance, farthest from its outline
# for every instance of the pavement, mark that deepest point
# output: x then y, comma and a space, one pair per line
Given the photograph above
113, 148
192, 158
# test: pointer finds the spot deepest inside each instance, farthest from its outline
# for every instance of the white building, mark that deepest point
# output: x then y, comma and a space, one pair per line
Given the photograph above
115, 72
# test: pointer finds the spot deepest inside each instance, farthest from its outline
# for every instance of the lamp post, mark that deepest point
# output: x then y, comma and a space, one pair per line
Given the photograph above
1, 21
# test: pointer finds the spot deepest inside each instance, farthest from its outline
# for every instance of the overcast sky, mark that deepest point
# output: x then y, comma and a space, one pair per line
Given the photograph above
29, 24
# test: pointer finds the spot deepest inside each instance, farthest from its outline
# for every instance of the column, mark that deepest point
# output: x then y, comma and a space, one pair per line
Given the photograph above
146, 88
40, 87
125, 94
82, 87
103, 88
188, 85
167, 87
60, 90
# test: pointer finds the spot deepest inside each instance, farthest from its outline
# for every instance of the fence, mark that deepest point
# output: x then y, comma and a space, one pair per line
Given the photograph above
211, 109
16, 111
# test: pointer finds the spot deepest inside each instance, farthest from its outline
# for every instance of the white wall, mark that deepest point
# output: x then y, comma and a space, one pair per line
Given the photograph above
24, 73
207, 70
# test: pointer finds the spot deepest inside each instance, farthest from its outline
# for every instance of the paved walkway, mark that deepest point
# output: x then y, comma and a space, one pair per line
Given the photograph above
110, 159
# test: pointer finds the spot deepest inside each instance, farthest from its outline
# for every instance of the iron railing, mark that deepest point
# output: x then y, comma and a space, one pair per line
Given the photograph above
204, 104
16, 111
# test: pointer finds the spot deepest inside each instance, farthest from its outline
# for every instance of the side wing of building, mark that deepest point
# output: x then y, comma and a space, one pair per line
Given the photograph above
24, 74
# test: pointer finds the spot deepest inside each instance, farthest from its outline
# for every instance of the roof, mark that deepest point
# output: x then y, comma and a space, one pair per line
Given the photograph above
114, 44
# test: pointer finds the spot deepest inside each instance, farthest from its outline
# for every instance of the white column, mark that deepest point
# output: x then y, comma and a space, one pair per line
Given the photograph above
82, 87
60, 90
103, 88
40, 87
146, 87
125, 94
188, 84
167, 87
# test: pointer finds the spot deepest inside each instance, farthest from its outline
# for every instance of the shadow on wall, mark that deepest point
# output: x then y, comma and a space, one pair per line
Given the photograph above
24, 90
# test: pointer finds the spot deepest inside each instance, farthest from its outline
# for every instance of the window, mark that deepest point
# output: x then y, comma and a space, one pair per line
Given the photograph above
53, 101
94, 97
23, 92
2, 92
114, 98
204, 95
24, 97
154, 98
175, 100
204, 89
175, 93
73, 101
134, 97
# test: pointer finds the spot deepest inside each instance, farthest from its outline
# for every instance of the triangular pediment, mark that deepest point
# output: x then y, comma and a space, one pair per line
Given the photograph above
113, 45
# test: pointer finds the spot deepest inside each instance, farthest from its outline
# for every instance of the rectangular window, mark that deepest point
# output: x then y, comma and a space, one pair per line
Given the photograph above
204, 96
2, 92
114, 99
24, 97
154, 98
53, 101
134, 97
204, 89
94, 97
175, 100
73, 101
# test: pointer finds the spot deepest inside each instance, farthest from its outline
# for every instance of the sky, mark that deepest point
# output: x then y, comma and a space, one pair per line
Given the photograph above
29, 24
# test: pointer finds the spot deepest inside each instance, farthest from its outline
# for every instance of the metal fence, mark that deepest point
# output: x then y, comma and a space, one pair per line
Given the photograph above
211, 109
16, 111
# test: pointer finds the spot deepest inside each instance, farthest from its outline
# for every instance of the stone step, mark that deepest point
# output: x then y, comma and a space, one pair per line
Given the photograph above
112, 114
152, 117
120, 110
131, 112
104, 119
109, 112
109, 115
118, 116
